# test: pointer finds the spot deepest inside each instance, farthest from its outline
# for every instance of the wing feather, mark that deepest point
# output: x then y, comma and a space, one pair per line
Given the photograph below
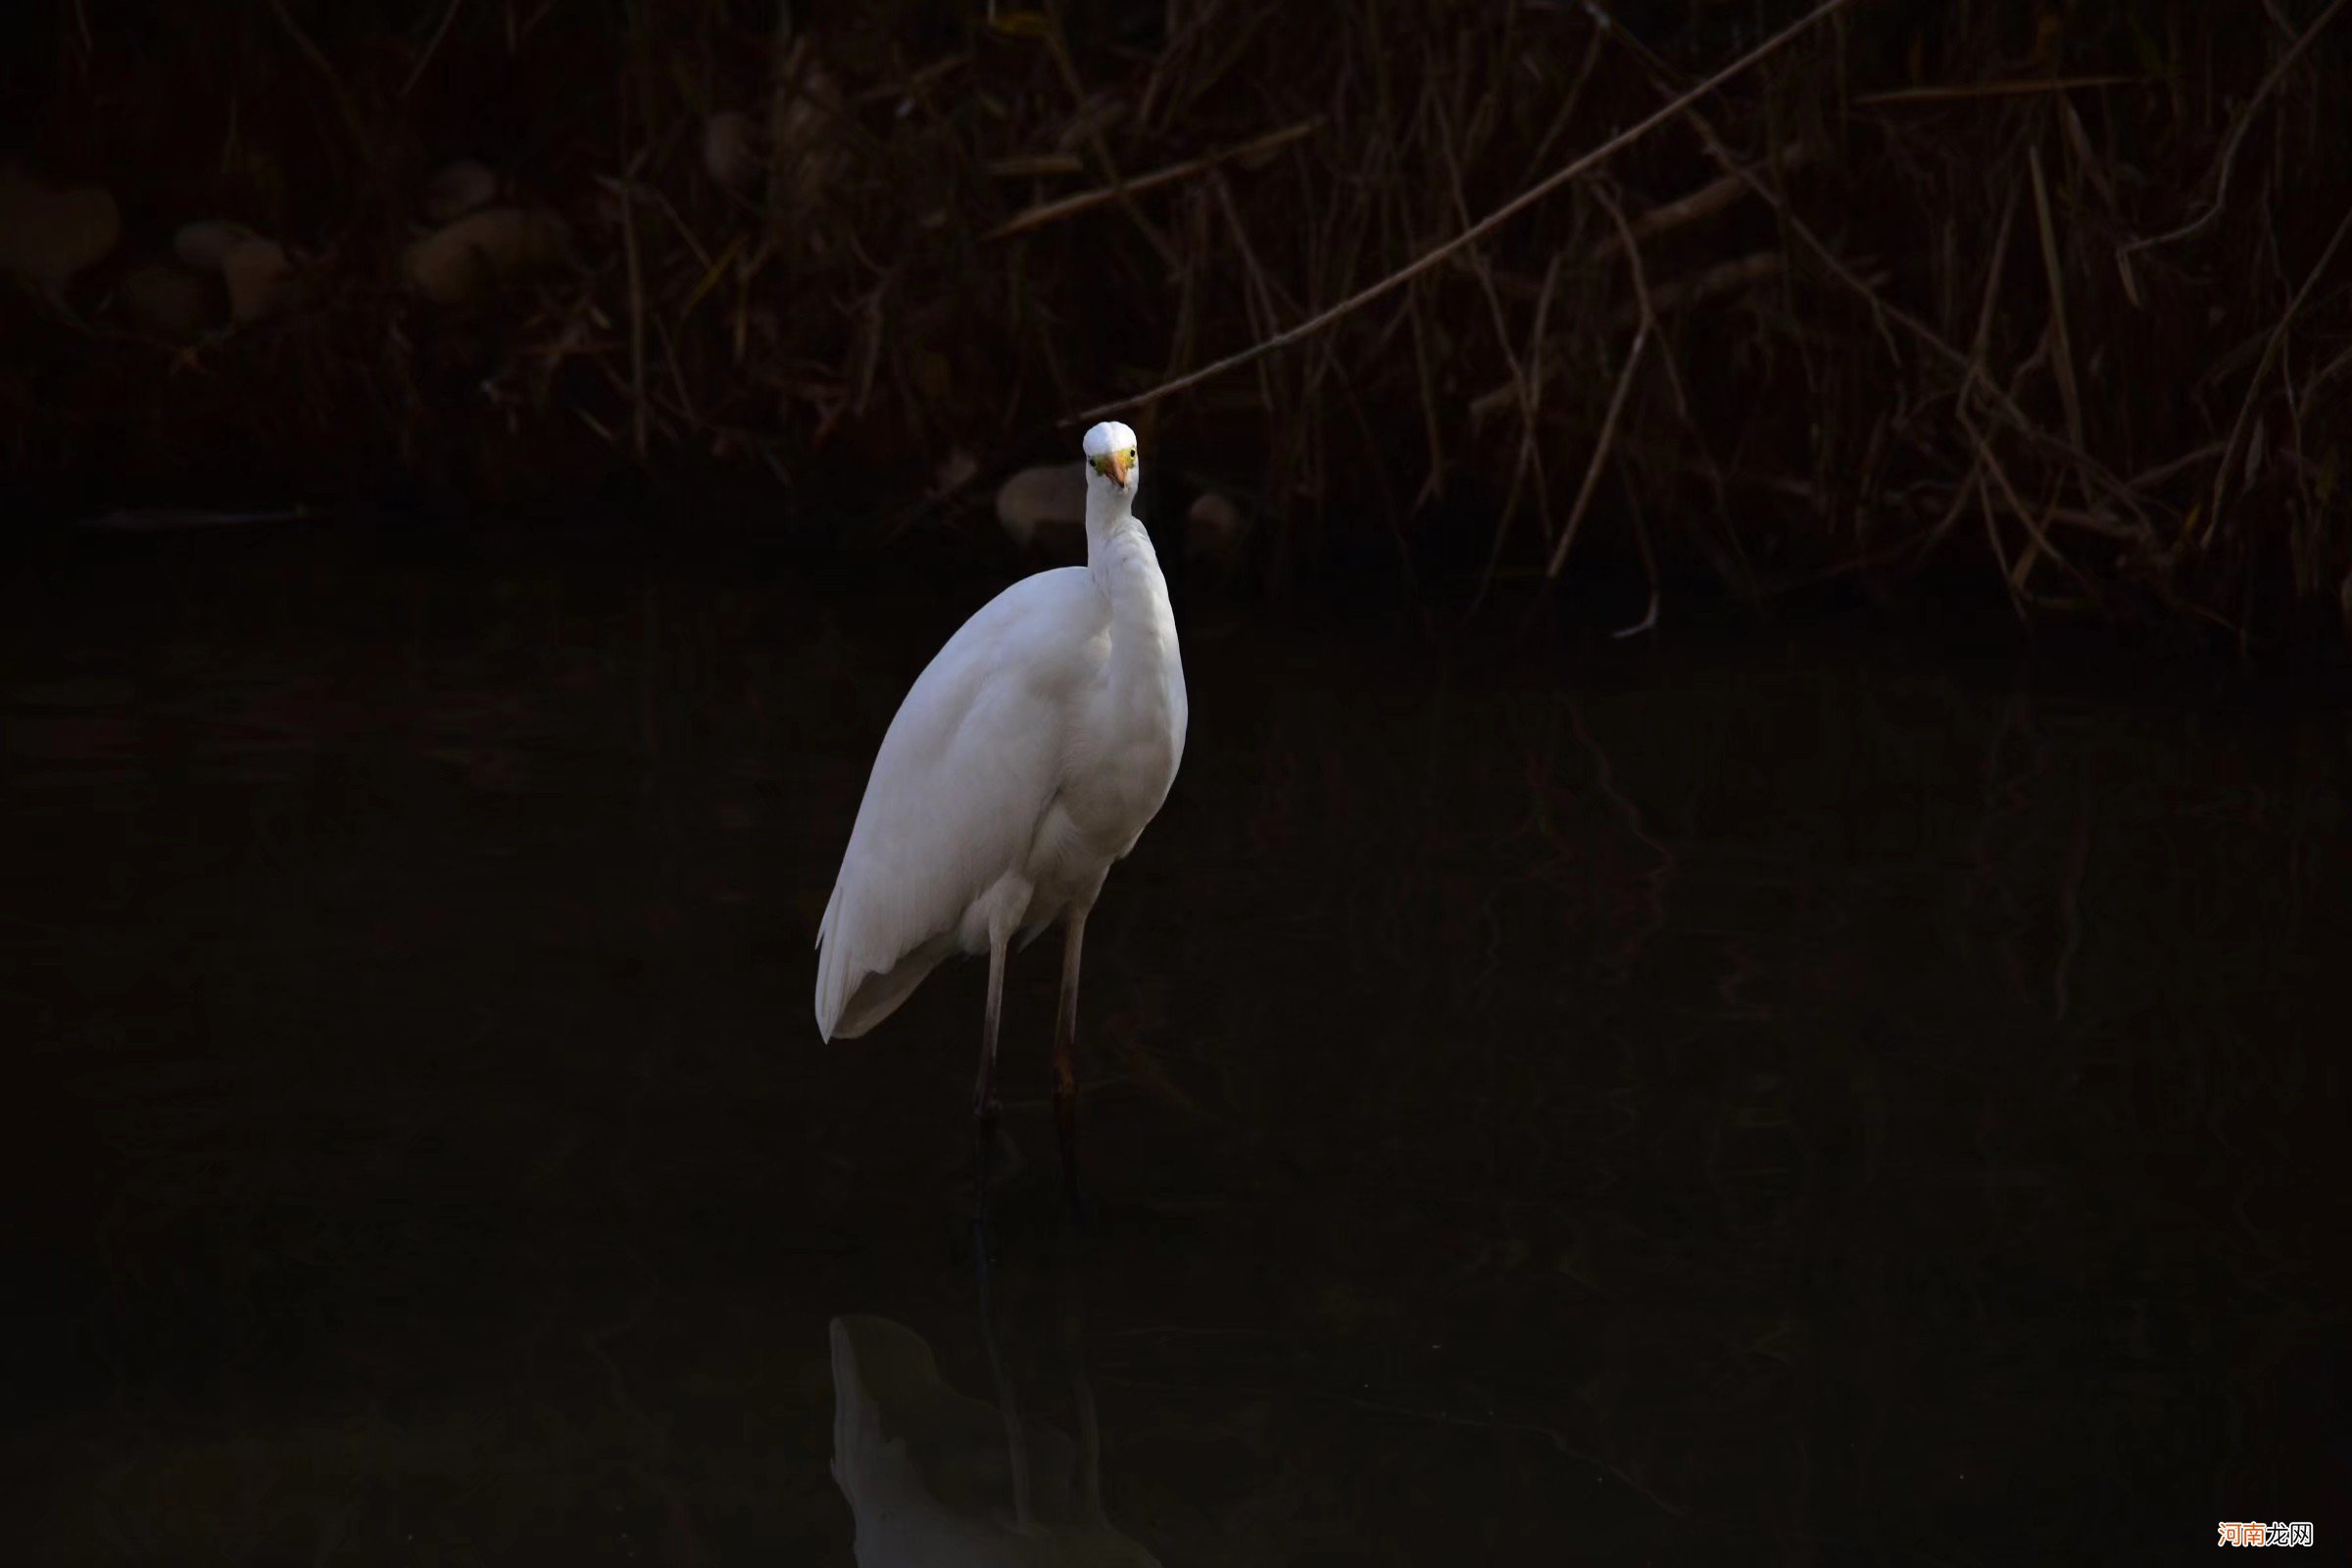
966, 771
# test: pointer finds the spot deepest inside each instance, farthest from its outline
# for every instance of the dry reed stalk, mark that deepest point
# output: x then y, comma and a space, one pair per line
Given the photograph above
1522, 385
855, 296
1647, 324
2272, 347
431, 48
338, 93
2228, 161
1723, 281
1053, 212
1486, 225
1259, 297
1961, 94
1884, 311
624, 188
1433, 485
1704, 202
1617, 399
1057, 45
1601, 449
2061, 346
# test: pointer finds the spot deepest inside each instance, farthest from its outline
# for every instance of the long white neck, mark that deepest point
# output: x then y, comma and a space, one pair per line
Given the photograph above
1120, 558
1117, 549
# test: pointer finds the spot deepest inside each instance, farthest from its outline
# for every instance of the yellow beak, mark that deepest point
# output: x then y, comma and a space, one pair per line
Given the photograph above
1119, 468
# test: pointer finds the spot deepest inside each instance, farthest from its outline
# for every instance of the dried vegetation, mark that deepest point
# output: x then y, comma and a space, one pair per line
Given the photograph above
2052, 297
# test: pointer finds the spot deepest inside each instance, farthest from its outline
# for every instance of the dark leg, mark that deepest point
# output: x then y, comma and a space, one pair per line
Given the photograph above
984, 1099
1065, 1063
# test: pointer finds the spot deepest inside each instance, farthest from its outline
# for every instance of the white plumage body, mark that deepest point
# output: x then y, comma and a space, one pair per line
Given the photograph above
1028, 757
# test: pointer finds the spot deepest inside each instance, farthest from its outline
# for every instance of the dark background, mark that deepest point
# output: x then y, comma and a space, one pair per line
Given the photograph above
1847, 1075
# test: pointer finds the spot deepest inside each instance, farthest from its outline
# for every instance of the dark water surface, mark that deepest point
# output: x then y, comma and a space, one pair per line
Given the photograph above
1779, 1100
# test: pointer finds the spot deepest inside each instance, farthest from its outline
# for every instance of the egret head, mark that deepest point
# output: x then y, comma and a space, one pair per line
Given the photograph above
1110, 456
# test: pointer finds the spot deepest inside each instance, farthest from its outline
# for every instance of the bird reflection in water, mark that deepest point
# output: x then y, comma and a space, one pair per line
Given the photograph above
937, 1478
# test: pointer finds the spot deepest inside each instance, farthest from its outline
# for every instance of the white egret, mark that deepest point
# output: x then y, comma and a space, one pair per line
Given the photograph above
1027, 757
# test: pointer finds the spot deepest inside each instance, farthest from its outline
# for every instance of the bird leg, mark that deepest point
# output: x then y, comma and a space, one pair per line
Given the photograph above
984, 1096
1065, 1065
